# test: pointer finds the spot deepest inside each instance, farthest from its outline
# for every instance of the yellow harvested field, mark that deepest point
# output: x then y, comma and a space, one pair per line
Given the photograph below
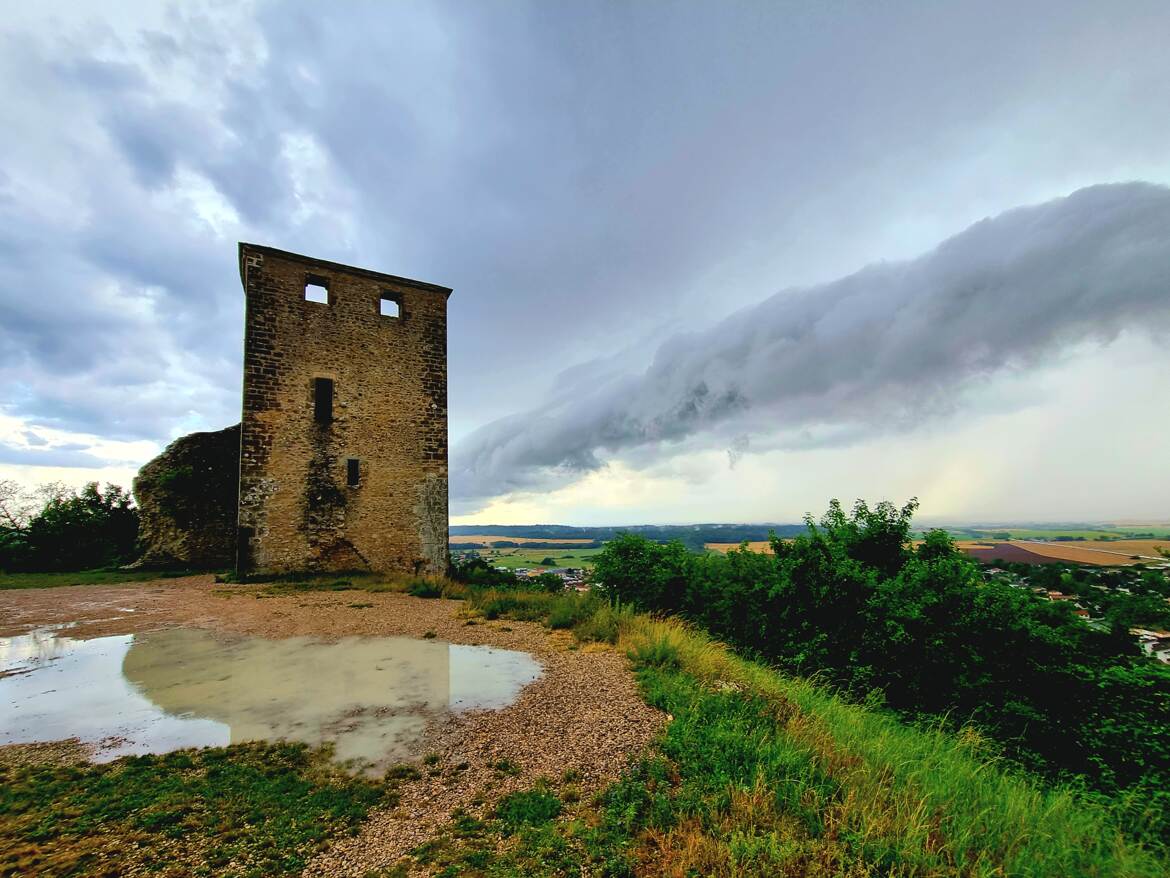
487, 540
1103, 552
755, 546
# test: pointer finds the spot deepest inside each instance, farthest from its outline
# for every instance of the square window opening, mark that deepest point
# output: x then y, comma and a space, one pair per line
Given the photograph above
317, 292
353, 472
389, 306
322, 400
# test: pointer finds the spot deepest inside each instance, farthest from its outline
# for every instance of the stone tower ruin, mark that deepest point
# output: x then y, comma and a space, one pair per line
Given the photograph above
343, 445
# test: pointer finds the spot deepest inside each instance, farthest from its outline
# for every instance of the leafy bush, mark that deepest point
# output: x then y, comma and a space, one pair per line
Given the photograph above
478, 573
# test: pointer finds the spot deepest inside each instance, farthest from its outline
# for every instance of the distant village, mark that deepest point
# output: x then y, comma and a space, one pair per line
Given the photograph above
1101, 597
572, 577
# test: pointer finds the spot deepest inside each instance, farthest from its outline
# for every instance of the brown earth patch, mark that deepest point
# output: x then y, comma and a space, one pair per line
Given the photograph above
1008, 552
1100, 552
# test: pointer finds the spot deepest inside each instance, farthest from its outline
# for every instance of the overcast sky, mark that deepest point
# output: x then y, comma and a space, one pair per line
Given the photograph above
711, 261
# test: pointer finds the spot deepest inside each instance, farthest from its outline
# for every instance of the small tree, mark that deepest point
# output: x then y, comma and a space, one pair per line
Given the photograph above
72, 531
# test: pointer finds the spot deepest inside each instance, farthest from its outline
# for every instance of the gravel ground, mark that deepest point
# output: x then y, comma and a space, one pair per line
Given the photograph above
582, 715
68, 752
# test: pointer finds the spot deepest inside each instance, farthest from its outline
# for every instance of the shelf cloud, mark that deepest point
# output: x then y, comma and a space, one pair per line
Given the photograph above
878, 350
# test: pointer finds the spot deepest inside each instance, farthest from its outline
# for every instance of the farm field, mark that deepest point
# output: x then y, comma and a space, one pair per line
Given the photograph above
1011, 553
489, 539
765, 546
754, 545
1104, 553
513, 558
1110, 533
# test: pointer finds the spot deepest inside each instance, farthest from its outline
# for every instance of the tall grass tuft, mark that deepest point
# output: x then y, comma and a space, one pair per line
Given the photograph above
530, 606
603, 625
424, 588
571, 609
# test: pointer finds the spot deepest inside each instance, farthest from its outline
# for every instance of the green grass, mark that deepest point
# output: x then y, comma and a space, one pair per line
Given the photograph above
86, 577
758, 774
527, 606
590, 616
244, 810
514, 558
527, 808
418, 586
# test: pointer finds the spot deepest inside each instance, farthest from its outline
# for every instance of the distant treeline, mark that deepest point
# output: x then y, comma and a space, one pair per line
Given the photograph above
693, 536
512, 544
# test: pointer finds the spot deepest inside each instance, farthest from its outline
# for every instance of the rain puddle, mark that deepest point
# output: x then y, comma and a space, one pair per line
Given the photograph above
185, 687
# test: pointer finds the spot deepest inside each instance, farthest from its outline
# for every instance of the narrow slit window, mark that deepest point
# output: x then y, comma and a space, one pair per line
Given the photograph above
323, 400
389, 306
353, 472
317, 292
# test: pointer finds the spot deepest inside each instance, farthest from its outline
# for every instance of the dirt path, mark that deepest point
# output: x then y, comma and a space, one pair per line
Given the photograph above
583, 715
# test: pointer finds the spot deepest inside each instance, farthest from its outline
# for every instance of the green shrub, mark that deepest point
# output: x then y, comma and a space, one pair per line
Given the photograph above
403, 771
528, 808
477, 573
424, 588
177, 480
506, 766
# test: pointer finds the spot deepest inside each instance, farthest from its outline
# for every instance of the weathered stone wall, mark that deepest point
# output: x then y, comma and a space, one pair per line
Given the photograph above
296, 510
187, 502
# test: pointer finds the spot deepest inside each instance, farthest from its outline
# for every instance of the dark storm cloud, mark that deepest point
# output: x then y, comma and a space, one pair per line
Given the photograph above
574, 172
881, 348
114, 312
581, 174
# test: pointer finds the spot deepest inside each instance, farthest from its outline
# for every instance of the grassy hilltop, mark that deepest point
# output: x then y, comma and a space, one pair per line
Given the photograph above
852, 701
